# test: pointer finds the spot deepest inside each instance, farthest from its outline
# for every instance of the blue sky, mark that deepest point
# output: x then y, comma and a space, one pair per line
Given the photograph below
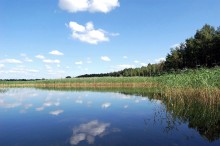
56, 38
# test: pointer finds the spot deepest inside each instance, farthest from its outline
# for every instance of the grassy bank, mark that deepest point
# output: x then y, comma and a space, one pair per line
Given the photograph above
193, 79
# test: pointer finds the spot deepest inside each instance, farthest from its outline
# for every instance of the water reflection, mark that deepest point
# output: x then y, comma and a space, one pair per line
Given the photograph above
106, 105
56, 112
140, 114
201, 113
88, 132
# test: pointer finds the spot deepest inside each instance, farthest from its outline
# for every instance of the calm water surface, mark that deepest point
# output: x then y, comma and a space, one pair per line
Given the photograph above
33, 117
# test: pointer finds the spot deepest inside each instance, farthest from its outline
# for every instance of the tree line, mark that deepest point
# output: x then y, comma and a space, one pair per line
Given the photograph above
201, 50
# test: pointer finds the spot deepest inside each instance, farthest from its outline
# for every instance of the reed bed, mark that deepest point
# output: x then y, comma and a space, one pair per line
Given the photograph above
204, 79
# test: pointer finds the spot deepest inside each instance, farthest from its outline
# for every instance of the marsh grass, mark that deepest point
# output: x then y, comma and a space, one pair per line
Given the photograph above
202, 82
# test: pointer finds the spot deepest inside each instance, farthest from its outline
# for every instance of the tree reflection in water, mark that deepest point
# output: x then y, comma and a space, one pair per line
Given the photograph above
201, 115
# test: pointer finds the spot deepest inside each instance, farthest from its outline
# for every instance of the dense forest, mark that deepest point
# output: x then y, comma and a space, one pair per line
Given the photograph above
201, 50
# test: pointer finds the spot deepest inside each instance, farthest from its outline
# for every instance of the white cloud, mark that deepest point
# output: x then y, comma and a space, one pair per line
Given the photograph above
40, 57
12, 61
56, 113
74, 6
51, 61
106, 105
88, 132
104, 6
56, 52
76, 27
79, 63
105, 58
87, 33
2, 66
159, 60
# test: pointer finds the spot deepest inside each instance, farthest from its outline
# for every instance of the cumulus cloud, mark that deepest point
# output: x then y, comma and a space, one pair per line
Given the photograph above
106, 105
12, 61
105, 58
74, 6
56, 52
79, 63
40, 57
56, 61
56, 113
87, 33
88, 132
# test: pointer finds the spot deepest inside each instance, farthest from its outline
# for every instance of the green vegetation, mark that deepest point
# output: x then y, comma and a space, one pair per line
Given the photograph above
200, 51
198, 78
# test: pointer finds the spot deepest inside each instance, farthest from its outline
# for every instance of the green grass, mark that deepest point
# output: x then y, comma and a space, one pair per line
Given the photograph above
200, 78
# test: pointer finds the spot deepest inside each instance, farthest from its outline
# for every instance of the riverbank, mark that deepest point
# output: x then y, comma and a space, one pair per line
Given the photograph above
195, 79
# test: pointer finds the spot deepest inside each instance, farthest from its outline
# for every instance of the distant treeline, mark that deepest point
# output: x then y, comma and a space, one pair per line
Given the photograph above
21, 79
202, 50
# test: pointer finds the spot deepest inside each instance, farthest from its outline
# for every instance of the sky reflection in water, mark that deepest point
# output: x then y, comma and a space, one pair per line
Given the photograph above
40, 117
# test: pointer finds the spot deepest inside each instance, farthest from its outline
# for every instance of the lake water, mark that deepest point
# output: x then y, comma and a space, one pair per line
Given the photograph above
34, 117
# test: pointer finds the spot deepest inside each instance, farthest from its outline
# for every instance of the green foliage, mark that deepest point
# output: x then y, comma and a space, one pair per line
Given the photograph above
201, 50
197, 78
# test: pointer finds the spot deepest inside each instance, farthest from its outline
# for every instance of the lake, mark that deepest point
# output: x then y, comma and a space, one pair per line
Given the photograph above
36, 117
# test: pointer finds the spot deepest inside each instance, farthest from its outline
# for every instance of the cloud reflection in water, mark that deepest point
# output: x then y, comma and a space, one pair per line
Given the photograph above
88, 132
